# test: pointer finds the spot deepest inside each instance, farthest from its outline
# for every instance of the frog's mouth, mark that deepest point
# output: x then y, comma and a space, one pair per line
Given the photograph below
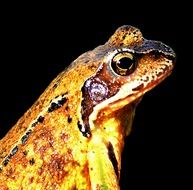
138, 91
127, 95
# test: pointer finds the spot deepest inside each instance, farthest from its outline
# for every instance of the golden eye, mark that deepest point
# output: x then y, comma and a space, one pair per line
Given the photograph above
123, 63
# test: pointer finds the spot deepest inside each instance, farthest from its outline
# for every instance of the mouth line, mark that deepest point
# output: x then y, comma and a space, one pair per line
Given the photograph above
160, 78
136, 95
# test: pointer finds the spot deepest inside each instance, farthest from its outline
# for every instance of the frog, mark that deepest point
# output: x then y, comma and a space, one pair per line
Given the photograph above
73, 136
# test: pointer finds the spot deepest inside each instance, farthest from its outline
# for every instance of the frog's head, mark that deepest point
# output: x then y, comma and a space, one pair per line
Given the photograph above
129, 67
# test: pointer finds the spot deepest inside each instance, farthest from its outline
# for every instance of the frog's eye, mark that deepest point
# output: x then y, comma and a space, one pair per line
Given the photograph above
123, 63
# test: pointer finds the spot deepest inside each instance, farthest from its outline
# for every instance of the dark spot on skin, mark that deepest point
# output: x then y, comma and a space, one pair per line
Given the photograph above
57, 105
25, 153
6, 161
31, 179
69, 119
32, 161
138, 87
25, 137
159, 74
1, 169
79, 126
14, 150
53, 107
124, 36
112, 158
62, 101
40, 119
147, 78
29, 132
34, 124
55, 86
86, 132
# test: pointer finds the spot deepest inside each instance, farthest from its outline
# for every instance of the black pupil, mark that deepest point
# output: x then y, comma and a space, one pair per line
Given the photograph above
125, 63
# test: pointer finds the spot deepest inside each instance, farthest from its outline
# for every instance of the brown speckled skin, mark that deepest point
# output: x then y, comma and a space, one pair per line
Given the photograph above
55, 153
52, 142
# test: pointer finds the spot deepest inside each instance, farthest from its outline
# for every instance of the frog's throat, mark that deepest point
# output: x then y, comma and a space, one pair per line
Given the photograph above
106, 144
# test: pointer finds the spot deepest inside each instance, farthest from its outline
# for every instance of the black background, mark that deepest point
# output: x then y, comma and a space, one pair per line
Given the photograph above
39, 41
